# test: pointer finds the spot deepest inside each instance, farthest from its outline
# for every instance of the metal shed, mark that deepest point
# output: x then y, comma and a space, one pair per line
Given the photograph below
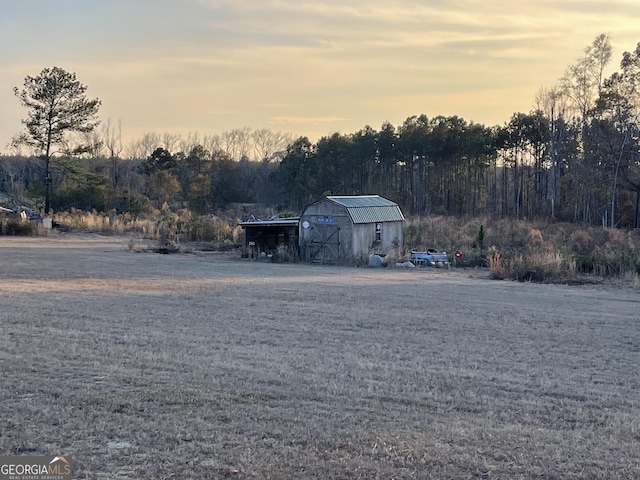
344, 229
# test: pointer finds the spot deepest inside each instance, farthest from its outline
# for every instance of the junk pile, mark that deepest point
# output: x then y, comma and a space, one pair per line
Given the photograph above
430, 258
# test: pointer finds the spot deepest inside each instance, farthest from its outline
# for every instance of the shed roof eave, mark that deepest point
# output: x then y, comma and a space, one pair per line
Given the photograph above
283, 222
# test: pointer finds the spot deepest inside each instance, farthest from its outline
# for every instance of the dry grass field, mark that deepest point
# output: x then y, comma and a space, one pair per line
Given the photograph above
147, 366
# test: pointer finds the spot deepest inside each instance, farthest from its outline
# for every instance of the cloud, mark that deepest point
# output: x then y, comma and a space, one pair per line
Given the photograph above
305, 64
357, 33
296, 121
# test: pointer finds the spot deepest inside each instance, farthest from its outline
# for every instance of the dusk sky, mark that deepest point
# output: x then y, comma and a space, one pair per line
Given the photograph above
307, 67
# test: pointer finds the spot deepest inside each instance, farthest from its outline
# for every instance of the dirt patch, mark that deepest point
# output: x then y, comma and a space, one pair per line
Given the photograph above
139, 365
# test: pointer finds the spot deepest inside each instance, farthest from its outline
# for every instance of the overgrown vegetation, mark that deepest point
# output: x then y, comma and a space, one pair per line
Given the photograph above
16, 226
510, 249
536, 250
170, 229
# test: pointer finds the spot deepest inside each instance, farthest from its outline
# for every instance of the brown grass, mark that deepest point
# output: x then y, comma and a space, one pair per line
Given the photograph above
515, 249
540, 251
170, 229
144, 366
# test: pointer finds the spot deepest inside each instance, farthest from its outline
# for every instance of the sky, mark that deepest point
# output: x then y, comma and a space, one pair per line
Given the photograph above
305, 67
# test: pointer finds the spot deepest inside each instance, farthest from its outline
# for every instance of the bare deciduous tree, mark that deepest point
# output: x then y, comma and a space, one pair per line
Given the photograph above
267, 143
112, 138
583, 79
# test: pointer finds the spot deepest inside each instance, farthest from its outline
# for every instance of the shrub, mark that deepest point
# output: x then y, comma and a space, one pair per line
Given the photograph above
213, 229
18, 226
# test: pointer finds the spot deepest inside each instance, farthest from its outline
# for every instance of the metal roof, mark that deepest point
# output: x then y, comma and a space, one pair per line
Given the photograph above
369, 208
275, 222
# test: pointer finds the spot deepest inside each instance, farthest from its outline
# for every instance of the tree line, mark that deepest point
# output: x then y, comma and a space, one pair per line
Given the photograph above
200, 180
575, 156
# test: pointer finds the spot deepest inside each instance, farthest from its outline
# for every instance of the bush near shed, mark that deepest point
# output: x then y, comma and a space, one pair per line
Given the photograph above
17, 226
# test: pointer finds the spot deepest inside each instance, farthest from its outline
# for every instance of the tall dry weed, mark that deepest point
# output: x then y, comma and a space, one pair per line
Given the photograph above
632, 278
543, 250
162, 225
495, 264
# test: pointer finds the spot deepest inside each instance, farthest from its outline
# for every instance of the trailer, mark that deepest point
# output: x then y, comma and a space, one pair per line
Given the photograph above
430, 258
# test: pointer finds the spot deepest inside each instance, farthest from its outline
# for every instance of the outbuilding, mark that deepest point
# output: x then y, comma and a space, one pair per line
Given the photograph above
346, 229
266, 236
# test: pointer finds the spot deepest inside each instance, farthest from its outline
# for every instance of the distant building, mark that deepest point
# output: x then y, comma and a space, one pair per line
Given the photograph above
265, 236
345, 229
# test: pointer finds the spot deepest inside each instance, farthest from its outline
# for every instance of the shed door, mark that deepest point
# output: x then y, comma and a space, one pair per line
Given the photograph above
325, 243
